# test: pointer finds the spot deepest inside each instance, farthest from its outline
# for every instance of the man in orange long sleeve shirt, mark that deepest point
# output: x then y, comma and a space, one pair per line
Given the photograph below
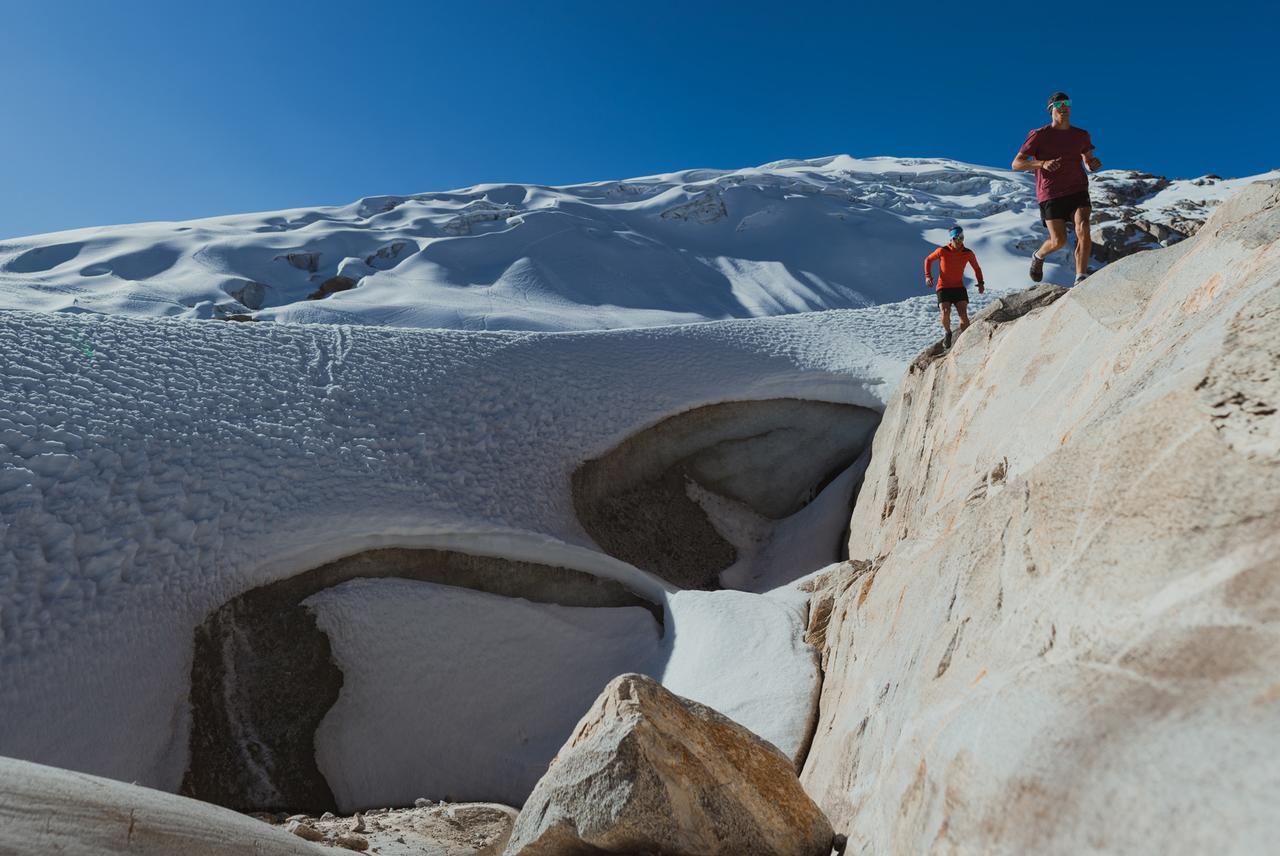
951, 261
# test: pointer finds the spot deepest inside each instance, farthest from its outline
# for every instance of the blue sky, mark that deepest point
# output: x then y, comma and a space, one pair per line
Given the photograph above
129, 111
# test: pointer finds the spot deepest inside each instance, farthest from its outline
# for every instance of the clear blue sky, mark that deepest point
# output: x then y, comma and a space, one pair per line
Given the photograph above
128, 111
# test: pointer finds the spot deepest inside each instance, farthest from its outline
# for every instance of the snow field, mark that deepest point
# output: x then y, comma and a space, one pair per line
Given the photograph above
152, 470
697, 245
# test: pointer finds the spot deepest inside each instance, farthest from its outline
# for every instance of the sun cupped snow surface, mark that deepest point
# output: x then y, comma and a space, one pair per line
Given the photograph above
697, 245
152, 470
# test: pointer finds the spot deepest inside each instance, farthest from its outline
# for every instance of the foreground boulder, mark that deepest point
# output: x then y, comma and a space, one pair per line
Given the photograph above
647, 771
50, 810
1065, 636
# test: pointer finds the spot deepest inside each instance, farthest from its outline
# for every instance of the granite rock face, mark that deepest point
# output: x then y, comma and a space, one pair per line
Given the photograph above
647, 771
1063, 633
48, 810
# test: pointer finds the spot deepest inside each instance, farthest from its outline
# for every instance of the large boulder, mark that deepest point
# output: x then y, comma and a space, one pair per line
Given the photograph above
648, 771
49, 810
1066, 638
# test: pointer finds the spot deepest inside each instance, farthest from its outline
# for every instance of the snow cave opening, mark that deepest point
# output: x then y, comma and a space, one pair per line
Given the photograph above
270, 665
742, 494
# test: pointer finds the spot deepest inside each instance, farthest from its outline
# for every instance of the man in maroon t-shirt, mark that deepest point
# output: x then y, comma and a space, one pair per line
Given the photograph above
1059, 153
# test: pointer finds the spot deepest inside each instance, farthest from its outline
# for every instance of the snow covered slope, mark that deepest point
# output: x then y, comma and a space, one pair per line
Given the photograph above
152, 470
1135, 211
792, 236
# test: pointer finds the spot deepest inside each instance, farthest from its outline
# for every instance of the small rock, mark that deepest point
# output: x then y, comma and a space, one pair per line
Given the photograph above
351, 841
299, 818
358, 824
328, 815
304, 830
332, 285
421, 802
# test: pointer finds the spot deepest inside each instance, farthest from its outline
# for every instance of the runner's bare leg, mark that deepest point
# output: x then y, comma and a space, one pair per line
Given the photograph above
963, 308
1057, 238
1084, 241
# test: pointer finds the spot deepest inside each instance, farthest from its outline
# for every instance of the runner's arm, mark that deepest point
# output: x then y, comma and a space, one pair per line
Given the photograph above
1026, 163
977, 270
928, 266
1091, 161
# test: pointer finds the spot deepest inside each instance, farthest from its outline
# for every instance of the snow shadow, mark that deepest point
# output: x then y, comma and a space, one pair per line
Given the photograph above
42, 259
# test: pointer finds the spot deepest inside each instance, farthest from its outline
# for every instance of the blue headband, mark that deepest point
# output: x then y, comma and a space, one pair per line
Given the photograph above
955, 232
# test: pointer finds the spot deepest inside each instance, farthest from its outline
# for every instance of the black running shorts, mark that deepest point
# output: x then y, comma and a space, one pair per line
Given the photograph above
1064, 207
953, 295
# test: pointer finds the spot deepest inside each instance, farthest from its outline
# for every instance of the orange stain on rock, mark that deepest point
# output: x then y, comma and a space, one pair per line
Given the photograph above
1269, 695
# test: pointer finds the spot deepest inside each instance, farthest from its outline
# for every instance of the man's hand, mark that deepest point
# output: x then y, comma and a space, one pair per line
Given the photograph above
1050, 165
1093, 162
982, 289
928, 281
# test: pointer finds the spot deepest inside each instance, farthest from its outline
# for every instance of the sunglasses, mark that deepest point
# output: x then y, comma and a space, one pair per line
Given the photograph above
1058, 105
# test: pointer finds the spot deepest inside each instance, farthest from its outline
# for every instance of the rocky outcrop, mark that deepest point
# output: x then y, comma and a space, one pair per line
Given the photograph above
304, 261
388, 256
1002, 310
648, 771
706, 207
478, 212
1125, 222
670, 498
250, 294
48, 810
332, 285
1066, 640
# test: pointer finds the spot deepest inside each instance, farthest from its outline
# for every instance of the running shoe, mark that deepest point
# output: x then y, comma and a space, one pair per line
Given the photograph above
1037, 268
1081, 277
